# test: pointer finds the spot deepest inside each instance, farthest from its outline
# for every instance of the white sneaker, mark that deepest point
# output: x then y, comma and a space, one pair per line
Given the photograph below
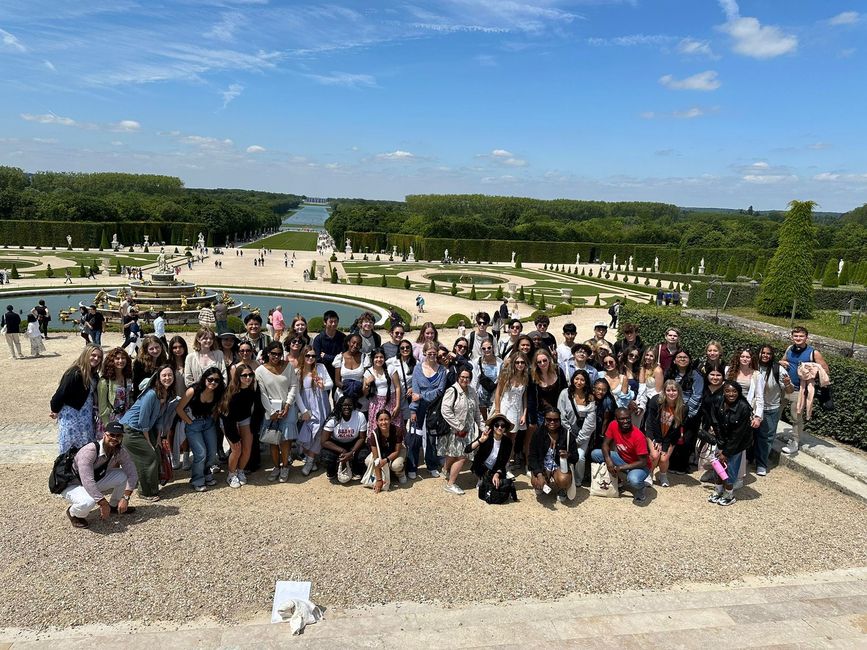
454, 489
233, 481
242, 477
402, 479
308, 467
275, 474
284, 474
761, 471
435, 473
663, 480
648, 481
315, 467
791, 448
412, 475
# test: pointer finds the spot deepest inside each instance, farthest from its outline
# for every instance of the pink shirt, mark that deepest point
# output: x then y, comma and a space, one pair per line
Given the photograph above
277, 321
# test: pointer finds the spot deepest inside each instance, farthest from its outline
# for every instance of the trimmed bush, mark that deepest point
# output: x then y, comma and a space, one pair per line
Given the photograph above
334, 278
473, 292
82, 272
829, 277
383, 282
453, 320
49, 272
542, 306
731, 270
358, 279
521, 294
14, 274
499, 294
432, 287
236, 325
406, 283
598, 302
316, 324
847, 423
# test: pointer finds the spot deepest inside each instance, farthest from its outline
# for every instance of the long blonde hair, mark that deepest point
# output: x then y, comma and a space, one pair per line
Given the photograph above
88, 373
302, 370
509, 373
679, 406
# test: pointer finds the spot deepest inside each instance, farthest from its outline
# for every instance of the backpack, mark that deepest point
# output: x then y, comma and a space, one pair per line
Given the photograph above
497, 495
437, 426
63, 472
611, 310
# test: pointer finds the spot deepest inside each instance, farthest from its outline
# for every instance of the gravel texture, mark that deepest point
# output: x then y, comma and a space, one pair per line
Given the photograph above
216, 555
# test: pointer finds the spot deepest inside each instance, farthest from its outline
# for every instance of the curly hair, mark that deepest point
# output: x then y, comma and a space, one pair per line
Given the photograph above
109, 370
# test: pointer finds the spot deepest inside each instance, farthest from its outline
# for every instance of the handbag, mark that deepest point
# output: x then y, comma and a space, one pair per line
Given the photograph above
271, 434
602, 484
369, 478
166, 472
493, 495
344, 473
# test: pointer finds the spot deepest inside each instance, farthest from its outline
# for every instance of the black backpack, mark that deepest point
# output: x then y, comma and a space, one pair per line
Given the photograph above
496, 495
437, 426
63, 473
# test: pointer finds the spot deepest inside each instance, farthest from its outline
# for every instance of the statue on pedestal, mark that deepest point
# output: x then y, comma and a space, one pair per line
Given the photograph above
614, 262
577, 259
201, 240
348, 249
115, 244
513, 257
69, 240
162, 265
629, 263
656, 264
411, 257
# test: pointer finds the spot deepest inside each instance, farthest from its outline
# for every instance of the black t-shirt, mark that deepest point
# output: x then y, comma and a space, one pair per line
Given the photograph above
96, 320
12, 321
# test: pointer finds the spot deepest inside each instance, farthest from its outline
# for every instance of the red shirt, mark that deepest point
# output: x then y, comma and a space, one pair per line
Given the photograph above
631, 446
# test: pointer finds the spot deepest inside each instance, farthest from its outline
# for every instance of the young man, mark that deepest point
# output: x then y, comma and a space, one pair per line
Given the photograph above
542, 338
578, 360
12, 322
800, 351
505, 345
479, 335
630, 339
329, 342
94, 323
564, 350
390, 347
600, 329
667, 349
254, 335
370, 340
614, 312
160, 329
625, 450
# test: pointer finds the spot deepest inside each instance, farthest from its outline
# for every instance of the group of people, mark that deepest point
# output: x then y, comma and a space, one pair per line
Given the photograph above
376, 410
35, 330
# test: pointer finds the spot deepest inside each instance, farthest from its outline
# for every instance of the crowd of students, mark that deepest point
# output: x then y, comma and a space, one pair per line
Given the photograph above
376, 411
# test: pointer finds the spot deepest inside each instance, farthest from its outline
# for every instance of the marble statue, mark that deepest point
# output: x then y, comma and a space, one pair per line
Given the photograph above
513, 257
69, 240
394, 251
147, 240
629, 263
162, 265
348, 249
446, 255
614, 262
411, 256
201, 240
840, 267
577, 259
656, 264
114, 243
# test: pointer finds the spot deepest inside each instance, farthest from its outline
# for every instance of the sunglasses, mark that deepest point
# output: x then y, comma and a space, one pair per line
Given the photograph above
487, 349
500, 425
520, 363
515, 327
247, 375
405, 348
309, 356
461, 345
294, 343
397, 335
275, 353
552, 420
213, 380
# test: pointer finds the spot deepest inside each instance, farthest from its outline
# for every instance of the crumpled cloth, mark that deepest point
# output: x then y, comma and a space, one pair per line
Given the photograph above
808, 372
299, 613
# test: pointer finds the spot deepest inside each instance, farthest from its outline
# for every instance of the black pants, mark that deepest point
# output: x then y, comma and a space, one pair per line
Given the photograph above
331, 459
681, 454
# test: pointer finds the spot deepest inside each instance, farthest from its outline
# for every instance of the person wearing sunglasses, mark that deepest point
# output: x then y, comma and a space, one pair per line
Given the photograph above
458, 359
428, 383
486, 371
101, 467
550, 446
510, 399
401, 368
479, 335
460, 409
314, 384
278, 384
199, 408
391, 347
491, 450
506, 344
242, 414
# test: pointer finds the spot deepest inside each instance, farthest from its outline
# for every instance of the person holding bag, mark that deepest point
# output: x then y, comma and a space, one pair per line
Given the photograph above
625, 450
387, 454
550, 457
343, 438
460, 409
578, 411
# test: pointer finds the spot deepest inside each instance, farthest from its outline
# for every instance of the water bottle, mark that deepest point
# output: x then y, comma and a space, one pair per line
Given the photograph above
564, 467
720, 469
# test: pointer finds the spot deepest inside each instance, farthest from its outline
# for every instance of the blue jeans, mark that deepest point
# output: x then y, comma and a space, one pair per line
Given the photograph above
634, 477
96, 337
734, 467
413, 450
765, 436
202, 436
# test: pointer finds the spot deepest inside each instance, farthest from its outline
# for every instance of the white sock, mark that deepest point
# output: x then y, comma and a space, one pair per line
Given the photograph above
718, 489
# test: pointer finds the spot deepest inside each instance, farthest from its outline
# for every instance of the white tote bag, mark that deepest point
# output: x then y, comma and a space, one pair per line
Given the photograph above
602, 484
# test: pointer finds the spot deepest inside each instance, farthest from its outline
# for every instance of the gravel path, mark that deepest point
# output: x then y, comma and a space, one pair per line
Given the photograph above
216, 555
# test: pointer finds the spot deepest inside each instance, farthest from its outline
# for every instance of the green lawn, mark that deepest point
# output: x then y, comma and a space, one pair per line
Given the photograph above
823, 323
287, 240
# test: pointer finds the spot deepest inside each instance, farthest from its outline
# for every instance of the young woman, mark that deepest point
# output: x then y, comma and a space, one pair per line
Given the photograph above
744, 369
242, 414
711, 359
114, 391
551, 445
649, 385
735, 435
34, 335
460, 409
605, 407
278, 384
427, 334
299, 329
491, 450
151, 356
203, 357
246, 355
618, 381
692, 385
401, 368
73, 403
510, 399
773, 394
428, 383
382, 391
293, 348
578, 412
386, 449
349, 371
711, 401
145, 424
343, 440
178, 351
664, 427
524, 345
229, 348
486, 371
198, 409
315, 387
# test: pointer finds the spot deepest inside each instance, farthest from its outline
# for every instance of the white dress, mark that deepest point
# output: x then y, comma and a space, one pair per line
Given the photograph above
512, 405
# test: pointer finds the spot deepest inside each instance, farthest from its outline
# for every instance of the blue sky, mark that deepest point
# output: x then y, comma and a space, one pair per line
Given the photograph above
693, 102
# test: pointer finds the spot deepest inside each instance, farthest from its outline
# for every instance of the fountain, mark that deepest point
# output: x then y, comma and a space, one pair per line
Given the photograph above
180, 300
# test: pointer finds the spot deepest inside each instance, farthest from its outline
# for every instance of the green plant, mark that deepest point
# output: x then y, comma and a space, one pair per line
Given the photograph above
383, 282
117, 268
532, 300
542, 304
521, 294
432, 287
789, 272
316, 324
14, 274
334, 275
406, 283
454, 289
598, 302
82, 273
103, 240
453, 320
829, 277
358, 279
236, 325
499, 294
473, 292
518, 262
49, 272
731, 270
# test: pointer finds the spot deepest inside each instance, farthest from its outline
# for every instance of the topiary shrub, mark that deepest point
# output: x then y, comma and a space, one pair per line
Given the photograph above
829, 277
358, 279
598, 302
532, 300
236, 325
14, 274
518, 262
333, 275
499, 294
542, 304
316, 324
406, 283
383, 282
82, 273
731, 270
521, 293
333, 257
432, 288
453, 320
454, 289
473, 292
49, 272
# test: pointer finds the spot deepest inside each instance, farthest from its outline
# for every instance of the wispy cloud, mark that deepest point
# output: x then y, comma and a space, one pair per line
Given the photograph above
123, 126
705, 81
503, 157
693, 47
49, 118
225, 29
232, 92
48, 64
753, 39
633, 40
345, 79
845, 18
255, 148
126, 126
10, 41
686, 114
396, 155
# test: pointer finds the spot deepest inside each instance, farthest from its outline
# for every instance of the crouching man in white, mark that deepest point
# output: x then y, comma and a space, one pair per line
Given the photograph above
102, 467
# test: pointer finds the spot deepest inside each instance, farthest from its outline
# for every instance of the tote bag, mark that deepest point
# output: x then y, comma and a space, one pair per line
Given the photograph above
602, 484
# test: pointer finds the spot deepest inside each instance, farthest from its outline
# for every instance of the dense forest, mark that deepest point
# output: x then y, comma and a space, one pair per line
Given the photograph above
115, 198
478, 216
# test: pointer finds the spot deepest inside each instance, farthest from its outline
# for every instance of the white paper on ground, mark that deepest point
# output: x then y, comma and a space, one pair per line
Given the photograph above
285, 591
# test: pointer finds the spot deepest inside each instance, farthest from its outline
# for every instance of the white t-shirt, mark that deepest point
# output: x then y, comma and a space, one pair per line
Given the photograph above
492, 457
342, 431
564, 353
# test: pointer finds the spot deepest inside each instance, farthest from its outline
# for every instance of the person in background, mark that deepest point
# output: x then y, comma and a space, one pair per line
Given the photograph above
207, 318
12, 322
94, 323
625, 450
541, 337
43, 316
131, 329
614, 312
278, 322
221, 316
34, 336
160, 329
73, 403
600, 329
114, 390
564, 349
330, 342
630, 339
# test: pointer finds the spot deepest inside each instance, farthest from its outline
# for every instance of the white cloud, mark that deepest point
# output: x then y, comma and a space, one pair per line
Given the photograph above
232, 92
692, 47
124, 125
753, 39
49, 118
769, 179
633, 40
396, 155
346, 79
702, 81
686, 114
206, 142
761, 164
818, 146
48, 64
255, 148
836, 177
486, 60
845, 18
504, 157
501, 153
11, 41
225, 29
826, 176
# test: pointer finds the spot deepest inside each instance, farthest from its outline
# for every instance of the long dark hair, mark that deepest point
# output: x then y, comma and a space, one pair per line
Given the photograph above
672, 372
182, 341
162, 392
200, 386
588, 387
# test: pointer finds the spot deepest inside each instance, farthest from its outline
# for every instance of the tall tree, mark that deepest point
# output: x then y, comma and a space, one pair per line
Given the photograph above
790, 271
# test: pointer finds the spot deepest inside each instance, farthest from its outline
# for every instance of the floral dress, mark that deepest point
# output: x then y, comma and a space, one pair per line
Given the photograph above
75, 427
119, 406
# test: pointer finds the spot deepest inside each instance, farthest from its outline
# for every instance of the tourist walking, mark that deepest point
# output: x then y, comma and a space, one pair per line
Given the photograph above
11, 324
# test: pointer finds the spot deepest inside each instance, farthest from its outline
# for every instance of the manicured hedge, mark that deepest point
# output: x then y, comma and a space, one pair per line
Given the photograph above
89, 233
744, 295
847, 423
